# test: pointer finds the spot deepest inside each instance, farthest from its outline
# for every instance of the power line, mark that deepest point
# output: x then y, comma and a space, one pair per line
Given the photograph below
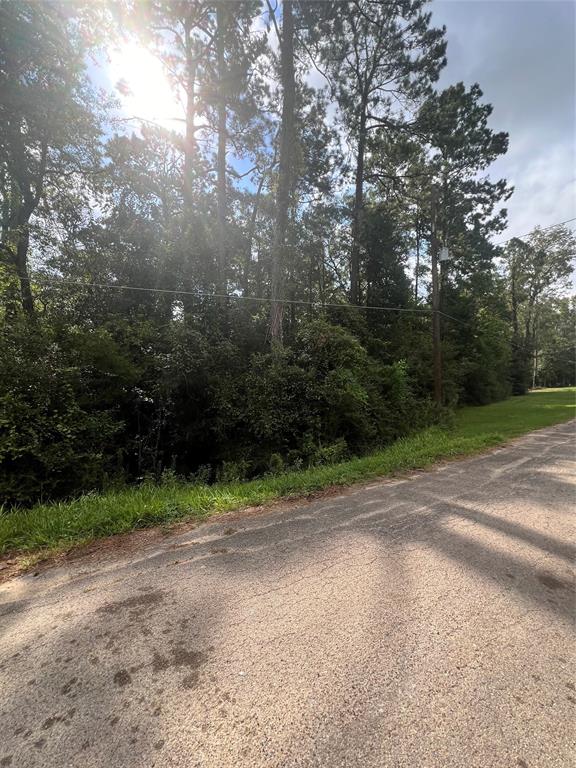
297, 302
202, 294
208, 295
266, 300
256, 299
542, 229
514, 345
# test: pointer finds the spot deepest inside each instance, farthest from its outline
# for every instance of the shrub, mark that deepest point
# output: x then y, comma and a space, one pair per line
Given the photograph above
324, 398
50, 446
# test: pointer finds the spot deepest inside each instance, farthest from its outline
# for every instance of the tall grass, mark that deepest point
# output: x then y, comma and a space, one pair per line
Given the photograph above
58, 526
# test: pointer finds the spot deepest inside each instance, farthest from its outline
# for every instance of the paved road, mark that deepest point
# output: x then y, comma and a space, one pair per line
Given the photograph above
426, 622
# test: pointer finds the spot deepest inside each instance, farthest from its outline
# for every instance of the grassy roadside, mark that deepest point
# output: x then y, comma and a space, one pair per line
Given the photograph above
59, 526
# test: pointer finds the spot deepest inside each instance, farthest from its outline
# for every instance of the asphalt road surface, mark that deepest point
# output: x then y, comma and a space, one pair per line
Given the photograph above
424, 622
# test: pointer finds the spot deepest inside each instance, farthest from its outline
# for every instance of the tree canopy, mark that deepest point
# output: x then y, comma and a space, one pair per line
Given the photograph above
250, 288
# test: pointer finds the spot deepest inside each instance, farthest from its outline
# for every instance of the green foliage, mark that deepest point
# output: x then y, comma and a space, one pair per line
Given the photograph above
52, 442
481, 371
557, 359
62, 525
123, 361
325, 395
538, 272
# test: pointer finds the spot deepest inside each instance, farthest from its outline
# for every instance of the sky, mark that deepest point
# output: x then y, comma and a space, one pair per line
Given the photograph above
522, 53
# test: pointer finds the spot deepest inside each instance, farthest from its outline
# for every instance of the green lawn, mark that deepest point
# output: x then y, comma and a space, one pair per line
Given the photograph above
59, 526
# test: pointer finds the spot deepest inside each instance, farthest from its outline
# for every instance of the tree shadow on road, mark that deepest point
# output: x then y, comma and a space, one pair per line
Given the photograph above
230, 621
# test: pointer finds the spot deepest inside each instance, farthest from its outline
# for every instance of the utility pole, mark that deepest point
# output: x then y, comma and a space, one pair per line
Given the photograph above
436, 335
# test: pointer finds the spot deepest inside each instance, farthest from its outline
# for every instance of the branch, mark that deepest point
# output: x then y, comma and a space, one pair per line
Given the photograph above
316, 67
272, 15
41, 173
242, 175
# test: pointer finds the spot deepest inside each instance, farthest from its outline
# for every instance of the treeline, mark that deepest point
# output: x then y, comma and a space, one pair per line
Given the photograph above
251, 292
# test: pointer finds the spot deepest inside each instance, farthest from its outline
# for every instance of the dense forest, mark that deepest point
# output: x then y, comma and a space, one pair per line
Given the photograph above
307, 265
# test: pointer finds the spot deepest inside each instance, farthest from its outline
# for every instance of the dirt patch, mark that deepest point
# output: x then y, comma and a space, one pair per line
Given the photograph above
551, 582
68, 687
122, 678
50, 722
14, 607
180, 657
138, 602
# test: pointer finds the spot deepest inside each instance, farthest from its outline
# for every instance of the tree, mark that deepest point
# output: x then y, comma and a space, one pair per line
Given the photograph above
230, 92
555, 365
438, 172
50, 116
285, 172
381, 54
538, 271
136, 365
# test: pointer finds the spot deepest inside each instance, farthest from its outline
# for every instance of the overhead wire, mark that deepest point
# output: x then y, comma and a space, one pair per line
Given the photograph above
51, 280
205, 294
235, 296
266, 300
540, 229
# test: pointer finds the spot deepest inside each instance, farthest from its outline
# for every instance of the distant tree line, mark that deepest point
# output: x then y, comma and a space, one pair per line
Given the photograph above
252, 292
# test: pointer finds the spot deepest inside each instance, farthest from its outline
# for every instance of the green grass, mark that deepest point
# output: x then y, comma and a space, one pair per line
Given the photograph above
59, 526
519, 415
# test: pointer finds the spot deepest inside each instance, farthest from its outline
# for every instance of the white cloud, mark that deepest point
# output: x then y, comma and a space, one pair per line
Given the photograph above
522, 55
544, 183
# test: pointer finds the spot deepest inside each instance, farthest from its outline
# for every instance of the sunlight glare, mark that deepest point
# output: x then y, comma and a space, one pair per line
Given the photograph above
145, 91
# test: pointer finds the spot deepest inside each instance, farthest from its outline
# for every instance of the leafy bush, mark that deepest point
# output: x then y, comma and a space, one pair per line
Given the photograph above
75, 412
331, 454
50, 444
325, 398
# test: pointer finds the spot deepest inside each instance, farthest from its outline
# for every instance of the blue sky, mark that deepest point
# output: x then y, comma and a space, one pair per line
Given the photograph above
522, 54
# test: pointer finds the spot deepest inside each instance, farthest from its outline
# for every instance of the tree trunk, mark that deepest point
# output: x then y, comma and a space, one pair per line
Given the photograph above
417, 269
15, 245
514, 297
253, 220
436, 329
357, 210
250, 237
221, 270
284, 192
258, 275
24, 198
21, 262
190, 138
190, 151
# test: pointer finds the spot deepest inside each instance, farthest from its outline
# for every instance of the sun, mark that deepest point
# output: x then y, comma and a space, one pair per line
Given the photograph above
143, 87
